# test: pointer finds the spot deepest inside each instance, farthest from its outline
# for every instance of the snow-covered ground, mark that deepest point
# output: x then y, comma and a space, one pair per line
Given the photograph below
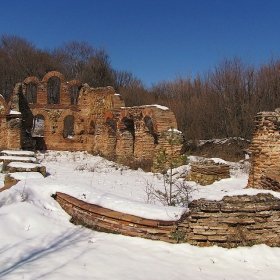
37, 241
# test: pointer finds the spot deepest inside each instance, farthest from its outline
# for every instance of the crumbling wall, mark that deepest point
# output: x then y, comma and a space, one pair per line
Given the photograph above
10, 127
265, 152
207, 172
231, 222
62, 115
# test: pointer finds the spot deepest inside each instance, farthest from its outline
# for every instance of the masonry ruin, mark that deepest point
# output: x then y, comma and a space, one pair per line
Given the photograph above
207, 172
265, 152
56, 114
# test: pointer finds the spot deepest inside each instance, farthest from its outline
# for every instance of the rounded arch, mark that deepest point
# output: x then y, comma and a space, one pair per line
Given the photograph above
53, 90
124, 116
110, 121
40, 112
30, 89
4, 109
68, 126
54, 74
31, 79
75, 87
75, 83
65, 113
150, 120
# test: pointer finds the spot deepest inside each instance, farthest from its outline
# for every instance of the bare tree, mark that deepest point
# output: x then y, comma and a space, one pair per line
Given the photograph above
73, 57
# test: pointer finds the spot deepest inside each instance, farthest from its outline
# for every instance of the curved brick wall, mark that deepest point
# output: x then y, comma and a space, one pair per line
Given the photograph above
231, 222
103, 219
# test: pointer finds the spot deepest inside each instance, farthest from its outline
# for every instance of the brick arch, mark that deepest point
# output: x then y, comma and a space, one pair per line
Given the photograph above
74, 87
40, 112
25, 83
54, 74
65, 113
149, 112
124, 114
60, 120
4, 109
108, 115
31, 79
110, 120
75, 83
69, 126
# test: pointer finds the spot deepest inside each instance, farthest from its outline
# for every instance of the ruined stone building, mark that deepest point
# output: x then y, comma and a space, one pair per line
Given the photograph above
56, 114
265, 152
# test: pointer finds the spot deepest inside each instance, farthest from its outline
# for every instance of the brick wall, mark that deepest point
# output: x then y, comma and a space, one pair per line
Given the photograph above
100, 123
107, 220
265, 149
10, 127
231, 222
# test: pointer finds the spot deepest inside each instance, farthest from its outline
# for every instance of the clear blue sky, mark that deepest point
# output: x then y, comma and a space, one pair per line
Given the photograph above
154, 39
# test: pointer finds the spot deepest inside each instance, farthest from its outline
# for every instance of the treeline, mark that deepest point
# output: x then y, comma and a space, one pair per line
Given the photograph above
20, 59
224, 102
220, 103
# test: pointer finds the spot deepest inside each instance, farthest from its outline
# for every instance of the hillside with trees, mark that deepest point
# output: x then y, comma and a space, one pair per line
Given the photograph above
222, 102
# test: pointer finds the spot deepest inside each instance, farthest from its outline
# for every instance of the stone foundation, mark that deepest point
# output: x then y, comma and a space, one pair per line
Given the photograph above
232, 222
207, 172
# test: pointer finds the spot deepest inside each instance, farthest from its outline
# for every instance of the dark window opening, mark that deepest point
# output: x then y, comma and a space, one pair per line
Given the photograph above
68, 130
53, 90
112, 124
74, 95
150, 125
31, 93
129, 124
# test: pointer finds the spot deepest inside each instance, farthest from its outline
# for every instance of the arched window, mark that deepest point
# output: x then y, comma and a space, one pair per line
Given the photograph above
38, 126
53, 88
74, 94
31, 92
129, 124
150, 125
68, 130
126, 138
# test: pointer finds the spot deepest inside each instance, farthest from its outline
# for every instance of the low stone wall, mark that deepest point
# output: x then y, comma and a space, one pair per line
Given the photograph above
271, 180
231, 222
206, 173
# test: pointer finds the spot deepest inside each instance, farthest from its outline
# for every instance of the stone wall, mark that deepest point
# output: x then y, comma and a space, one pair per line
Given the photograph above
231, 222
10, 127
207, 172
85, 118
265, 152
